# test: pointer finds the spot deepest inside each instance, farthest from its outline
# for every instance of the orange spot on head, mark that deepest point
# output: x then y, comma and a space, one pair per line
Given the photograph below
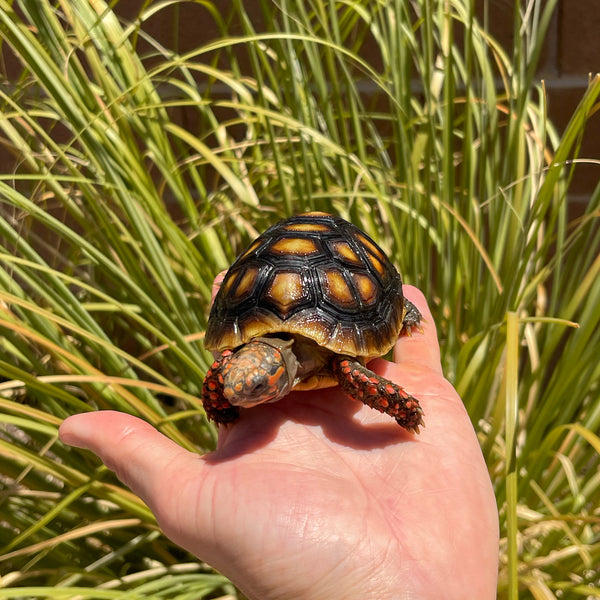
274, 378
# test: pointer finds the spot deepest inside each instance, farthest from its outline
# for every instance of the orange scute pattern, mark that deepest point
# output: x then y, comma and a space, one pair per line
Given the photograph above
292, 246
314, 275
286, 291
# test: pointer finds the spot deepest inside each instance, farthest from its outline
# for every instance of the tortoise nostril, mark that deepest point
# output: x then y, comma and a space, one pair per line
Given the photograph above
257, 387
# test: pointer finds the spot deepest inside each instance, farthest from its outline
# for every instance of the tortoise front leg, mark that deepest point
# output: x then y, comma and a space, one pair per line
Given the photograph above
216, 406
360, 383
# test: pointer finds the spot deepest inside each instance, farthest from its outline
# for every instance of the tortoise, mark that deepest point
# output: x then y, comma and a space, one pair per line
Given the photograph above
305, 306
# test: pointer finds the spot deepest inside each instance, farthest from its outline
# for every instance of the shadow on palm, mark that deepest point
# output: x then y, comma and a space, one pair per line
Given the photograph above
326, 415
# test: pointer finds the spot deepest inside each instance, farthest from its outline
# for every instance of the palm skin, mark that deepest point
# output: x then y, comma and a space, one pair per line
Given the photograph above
319, 497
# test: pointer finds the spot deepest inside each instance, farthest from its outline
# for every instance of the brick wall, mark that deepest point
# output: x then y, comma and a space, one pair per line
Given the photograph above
572, 52
574, 45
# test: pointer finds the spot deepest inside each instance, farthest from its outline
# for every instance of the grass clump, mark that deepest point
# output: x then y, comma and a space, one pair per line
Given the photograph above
141, 171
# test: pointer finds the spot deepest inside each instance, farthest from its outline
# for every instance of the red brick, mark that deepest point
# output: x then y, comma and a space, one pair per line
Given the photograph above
562, 102
579, 24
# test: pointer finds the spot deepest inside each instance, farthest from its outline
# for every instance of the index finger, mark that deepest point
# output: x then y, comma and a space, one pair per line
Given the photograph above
217, 284
422, 346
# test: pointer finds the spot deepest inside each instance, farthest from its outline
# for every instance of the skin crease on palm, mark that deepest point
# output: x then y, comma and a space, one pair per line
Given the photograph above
319, 497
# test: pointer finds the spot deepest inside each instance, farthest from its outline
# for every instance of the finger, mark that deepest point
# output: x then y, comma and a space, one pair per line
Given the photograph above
217, 284
138, 453
421, 347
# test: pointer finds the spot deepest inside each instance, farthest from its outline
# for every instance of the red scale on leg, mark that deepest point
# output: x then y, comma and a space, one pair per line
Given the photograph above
216, 406
360, 383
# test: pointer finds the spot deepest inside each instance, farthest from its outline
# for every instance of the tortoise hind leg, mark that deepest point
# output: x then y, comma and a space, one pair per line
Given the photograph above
216, 406
360, 383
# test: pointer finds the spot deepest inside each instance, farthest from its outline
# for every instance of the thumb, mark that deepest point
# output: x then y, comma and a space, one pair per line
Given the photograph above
138, 454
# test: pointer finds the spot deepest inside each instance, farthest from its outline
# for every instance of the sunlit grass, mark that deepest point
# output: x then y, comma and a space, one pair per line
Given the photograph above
118, 214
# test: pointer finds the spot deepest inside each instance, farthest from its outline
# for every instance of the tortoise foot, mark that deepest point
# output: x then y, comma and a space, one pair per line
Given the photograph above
360, 383
216, 406
412, 318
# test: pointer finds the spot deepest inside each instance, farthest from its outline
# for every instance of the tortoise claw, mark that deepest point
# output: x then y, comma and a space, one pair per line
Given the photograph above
412, 319
408, 330
416, 428
216, 406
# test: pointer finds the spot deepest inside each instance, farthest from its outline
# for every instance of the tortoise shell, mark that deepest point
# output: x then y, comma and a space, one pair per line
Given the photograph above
313, 275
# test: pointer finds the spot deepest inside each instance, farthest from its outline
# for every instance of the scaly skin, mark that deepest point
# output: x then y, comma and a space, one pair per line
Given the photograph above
258, 374
412, 318
216, 406
354, 379
359, 383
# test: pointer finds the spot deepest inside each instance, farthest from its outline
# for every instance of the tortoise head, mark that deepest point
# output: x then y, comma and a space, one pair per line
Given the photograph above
262, 370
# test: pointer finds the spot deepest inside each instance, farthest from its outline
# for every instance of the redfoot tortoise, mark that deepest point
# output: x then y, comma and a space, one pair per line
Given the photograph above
305, 306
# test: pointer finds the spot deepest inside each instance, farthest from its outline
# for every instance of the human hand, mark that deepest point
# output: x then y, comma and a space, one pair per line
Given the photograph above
319, 497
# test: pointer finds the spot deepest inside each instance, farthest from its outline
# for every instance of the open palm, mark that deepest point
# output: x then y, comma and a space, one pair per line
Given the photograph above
317, 496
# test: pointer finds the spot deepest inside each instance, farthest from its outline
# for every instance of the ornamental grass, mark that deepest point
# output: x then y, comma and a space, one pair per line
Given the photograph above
139, 171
